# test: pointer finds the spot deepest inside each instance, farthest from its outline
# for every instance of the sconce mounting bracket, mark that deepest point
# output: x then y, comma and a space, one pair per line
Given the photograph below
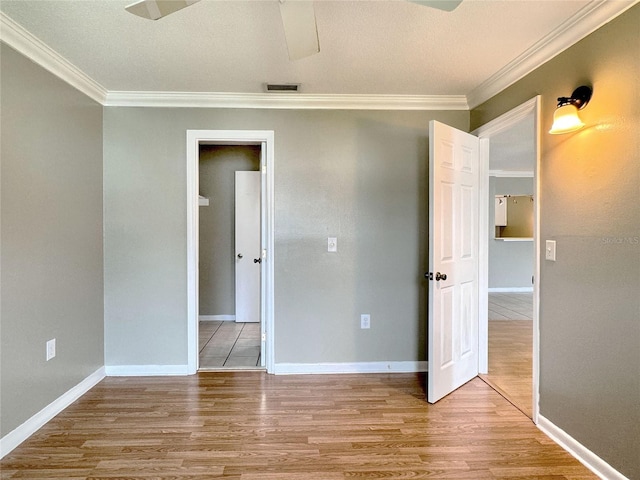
579, 98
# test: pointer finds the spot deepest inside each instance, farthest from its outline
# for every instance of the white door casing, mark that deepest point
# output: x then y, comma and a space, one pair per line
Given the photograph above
265, 235
453, 251
484, 133
266, 139
247, 246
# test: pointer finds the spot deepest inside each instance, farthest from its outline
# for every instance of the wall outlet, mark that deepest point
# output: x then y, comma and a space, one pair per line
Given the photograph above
51, 349
365, 320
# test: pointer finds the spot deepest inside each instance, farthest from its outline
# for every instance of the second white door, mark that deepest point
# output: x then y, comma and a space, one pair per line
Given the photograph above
248, 252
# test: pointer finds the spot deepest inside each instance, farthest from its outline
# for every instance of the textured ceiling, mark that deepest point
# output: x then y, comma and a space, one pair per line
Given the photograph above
367, 47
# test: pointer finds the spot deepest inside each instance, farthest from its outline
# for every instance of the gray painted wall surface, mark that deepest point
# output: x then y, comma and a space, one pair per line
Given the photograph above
52, 287
357, 175
589, 297
218, 164
510, 263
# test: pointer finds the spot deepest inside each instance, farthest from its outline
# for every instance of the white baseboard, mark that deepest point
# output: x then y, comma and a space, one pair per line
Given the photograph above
360, 367
220, 318
585, 456
145, 370
14, 438
510, 290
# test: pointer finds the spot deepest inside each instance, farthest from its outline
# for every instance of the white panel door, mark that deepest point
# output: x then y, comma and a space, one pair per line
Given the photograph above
248, 253
453, 259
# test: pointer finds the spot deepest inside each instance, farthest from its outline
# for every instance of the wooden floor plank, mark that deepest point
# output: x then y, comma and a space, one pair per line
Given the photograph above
254, 426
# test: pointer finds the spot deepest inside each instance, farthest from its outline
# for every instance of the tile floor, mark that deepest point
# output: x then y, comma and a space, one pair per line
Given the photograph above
510, 306
229, 345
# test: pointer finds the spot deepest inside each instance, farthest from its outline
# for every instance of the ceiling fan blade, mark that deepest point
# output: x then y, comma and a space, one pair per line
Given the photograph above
300, 29
446, 5
155, 9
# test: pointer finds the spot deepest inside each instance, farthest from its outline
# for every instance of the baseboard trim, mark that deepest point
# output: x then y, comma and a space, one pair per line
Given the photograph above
510, 290
220, 318
360, 367
145, 370
14, 438
585, 456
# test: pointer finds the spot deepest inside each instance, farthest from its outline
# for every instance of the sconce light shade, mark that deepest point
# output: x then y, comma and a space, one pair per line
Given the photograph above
565, 118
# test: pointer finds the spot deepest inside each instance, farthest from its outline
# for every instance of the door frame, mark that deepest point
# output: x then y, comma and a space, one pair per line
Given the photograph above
484, 133
265, 138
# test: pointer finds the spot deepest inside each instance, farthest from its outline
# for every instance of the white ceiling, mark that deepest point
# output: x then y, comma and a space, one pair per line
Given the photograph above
367, 47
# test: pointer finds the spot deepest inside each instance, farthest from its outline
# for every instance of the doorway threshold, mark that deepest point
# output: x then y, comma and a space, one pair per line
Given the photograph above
505, 395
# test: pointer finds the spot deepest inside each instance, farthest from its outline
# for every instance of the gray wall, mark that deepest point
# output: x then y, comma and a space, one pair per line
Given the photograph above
218, 164
51, 237
589, 301
357, 175
510, 263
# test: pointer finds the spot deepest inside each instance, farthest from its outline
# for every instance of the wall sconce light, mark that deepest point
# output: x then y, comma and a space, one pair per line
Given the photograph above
565, 118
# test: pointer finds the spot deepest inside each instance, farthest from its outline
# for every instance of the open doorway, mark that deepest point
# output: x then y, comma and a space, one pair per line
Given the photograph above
509, 316
229, 277
211, 144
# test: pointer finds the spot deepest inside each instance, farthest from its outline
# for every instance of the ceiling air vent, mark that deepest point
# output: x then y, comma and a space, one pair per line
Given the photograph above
282, 87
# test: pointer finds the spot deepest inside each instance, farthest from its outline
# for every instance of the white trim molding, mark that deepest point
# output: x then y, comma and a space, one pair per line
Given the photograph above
510, 289
359, 367
21, 40
145, 370
285, 101
218, 318
485, 132
587, 20
265, 138
14, 438
585, 456
511, 173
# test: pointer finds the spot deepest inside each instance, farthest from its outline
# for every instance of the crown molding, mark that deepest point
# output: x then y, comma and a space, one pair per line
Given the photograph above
33, 48
588, 19
286, 101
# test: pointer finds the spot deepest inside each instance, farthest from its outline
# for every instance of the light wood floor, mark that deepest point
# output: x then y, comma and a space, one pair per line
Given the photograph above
254, 426
229, 345
511, 348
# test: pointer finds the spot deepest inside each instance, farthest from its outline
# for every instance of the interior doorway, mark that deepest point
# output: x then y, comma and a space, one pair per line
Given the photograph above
229, 278
200, 141
510, 266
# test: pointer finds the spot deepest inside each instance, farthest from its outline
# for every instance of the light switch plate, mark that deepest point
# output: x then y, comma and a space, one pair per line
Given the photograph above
51, 349
332, 244
550, 250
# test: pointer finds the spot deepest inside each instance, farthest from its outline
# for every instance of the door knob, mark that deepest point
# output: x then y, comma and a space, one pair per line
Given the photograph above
257, 260
441, 276
428, 275
239, 255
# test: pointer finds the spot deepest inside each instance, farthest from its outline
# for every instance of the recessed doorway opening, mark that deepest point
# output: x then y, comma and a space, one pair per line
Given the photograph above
510, 266
229, 245
217, 317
